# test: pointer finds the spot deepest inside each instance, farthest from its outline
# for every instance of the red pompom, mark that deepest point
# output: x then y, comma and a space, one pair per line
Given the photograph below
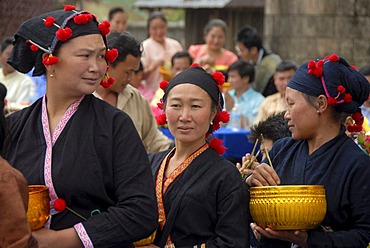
341, 89
163, 85
104, 27
318, 72
357, 116
34, 48
315, 68
194, 65
223, 116
64, 34
60, 205
161, 119
111, 55
216, 125
347, 98
350, 128
311, 64
216, 144
49, 21
107, 83
332, 101
358, 128
82, 18
320, 63
333, 58
68, 7
50, 60
218, 77
160, 105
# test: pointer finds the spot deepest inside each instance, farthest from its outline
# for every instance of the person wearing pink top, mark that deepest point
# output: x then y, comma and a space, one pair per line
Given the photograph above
158, 51
212, 54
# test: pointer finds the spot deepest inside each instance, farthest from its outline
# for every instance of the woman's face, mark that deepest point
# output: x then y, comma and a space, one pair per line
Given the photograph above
215, 38
81, 65
188, 111
119, 22
302, 117
158, 30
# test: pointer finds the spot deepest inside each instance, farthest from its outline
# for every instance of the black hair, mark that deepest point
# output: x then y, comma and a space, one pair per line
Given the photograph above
126, 44
365, 70
245, 69
182, 54
215, 23
7, 41
286, 65
249, 37
274, 127
114, 11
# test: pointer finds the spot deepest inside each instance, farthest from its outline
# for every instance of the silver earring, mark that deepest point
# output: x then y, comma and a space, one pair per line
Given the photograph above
211, 122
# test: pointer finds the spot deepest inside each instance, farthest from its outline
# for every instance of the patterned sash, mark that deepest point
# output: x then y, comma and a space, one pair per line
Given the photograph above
161, 187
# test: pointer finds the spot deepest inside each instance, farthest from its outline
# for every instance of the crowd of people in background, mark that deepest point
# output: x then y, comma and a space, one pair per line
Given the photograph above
82, 115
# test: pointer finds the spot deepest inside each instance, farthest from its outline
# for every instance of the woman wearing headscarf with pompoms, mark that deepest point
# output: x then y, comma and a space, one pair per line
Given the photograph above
320, 93
87, 152
201, 197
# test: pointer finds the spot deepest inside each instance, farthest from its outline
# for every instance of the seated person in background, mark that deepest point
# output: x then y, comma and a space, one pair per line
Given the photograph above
243, 96
118, 19
20, 87
275, 103
320, 153
40, 85
14, 229
365, 108
275, 127
200, 194
128, 99
212, 55
86, 151
250, 49
179, 62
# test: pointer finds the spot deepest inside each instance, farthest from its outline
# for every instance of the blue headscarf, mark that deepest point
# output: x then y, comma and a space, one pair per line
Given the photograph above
322, 77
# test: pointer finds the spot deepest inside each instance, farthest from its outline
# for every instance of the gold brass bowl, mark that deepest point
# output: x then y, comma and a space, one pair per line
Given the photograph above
147, 241
288, 207
38, 206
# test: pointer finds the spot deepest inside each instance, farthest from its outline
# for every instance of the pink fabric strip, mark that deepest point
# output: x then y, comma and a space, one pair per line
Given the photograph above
50, 141
84, 237
327, 92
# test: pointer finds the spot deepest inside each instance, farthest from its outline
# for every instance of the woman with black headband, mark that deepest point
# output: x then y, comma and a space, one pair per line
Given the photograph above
318, 96
87, 152
202, 200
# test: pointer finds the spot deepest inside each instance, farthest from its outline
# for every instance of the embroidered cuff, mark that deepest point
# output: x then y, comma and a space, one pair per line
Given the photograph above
84, 237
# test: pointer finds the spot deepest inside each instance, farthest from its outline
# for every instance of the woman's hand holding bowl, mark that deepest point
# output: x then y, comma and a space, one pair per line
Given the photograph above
263, 175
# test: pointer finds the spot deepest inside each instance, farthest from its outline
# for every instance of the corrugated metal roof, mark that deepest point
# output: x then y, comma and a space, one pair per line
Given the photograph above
195, 4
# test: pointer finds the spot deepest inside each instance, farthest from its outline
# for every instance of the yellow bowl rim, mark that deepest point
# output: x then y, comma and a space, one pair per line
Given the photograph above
40, 189
287, 187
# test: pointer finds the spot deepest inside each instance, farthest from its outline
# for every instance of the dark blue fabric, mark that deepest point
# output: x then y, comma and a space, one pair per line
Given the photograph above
344, 170
335, 74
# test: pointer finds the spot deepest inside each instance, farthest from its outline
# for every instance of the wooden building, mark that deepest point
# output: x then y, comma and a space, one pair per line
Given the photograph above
236, 14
